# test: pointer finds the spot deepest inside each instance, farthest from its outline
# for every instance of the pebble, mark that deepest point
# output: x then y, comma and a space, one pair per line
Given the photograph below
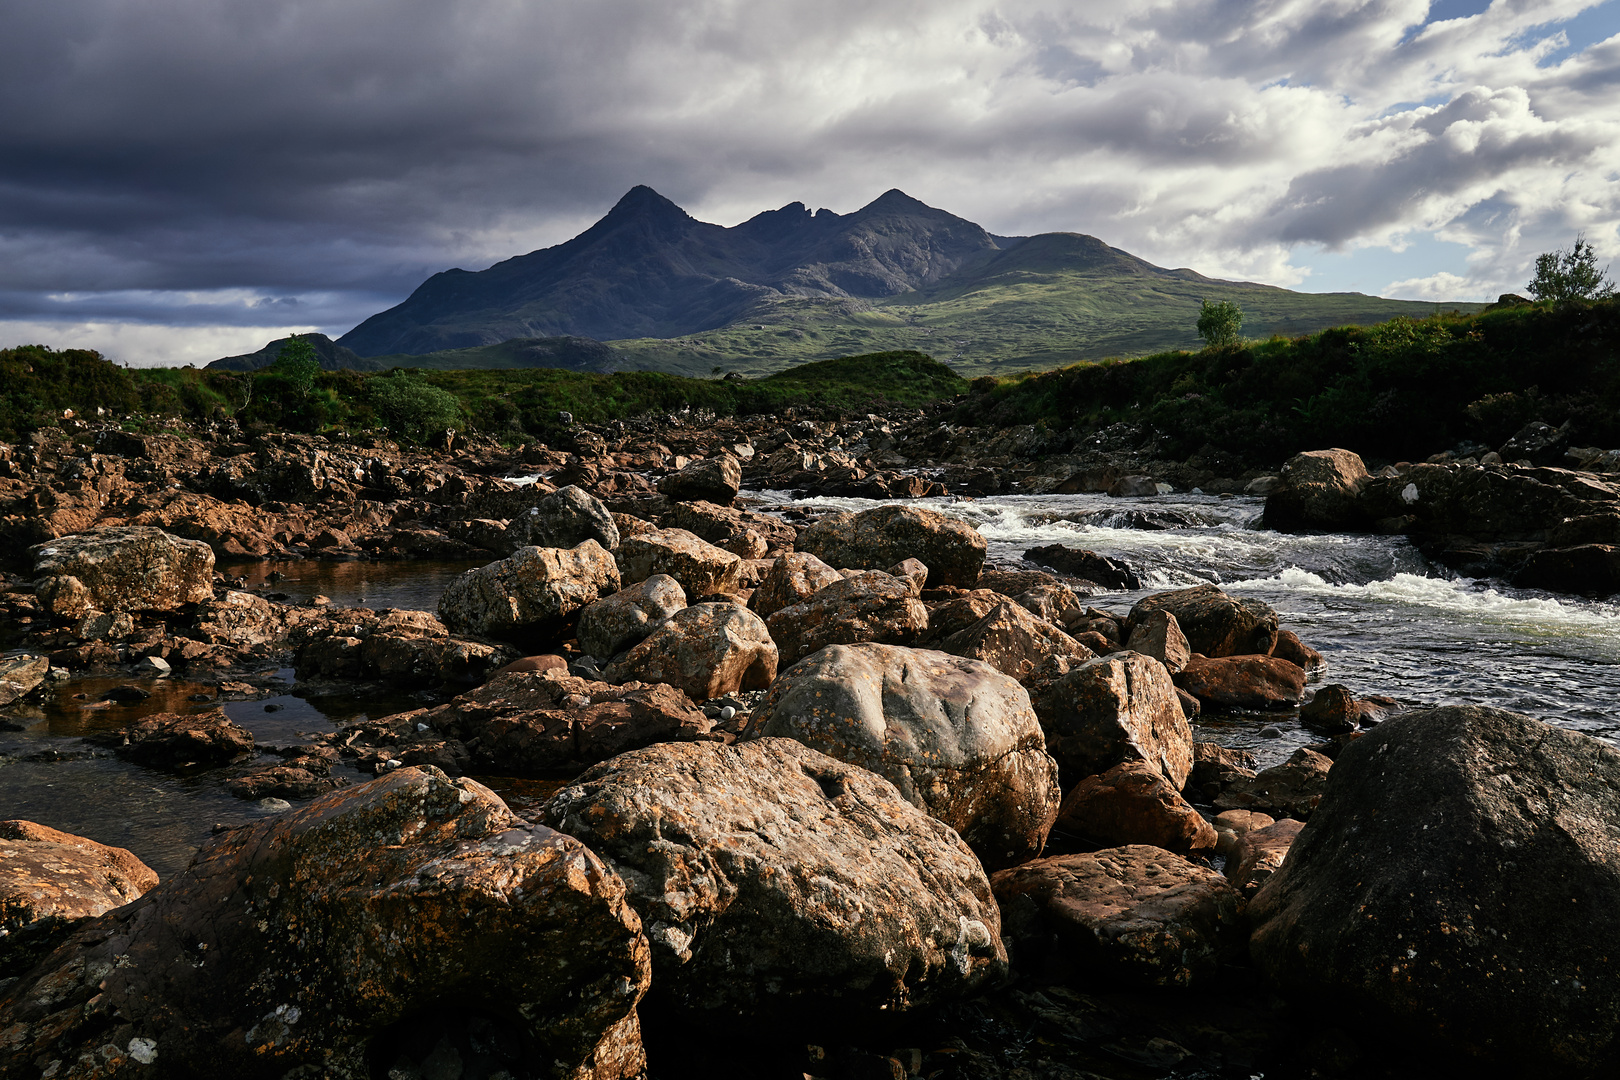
727, 713
1271, 731
275, 804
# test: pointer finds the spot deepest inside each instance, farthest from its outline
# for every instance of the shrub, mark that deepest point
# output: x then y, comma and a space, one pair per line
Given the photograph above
1219, 322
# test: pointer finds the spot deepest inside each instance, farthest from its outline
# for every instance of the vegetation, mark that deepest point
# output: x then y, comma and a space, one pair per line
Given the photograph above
1219, 322
1571, 275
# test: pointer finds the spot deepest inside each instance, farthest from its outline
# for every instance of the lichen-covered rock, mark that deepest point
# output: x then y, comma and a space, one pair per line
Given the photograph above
1132, 804
868, 606
1119, 707
1293, 788
874, 539
792, 579
1136, 915
177, 740
1215, 624
615, 623
715, 480
1318, 489
21, 675
1012, 641
297, 944
785, 886
529, 598
955, 737
131, 568
241, 620
1258, 854
565, 518
701, 568
725, 526
706, 650
1243, 682
1053, 602
1159, 635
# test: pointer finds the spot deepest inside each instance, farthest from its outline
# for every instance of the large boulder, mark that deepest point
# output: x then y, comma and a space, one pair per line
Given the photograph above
1134, 915
131, 568
1258, 854
1215, 624
1012, 641
1132, 804
309, 942
1243, 682
873, 539
1109, 573
1159, 635
726, 526
1461, 878
715, 480
706, 650
1318, 490
1293, 788
793, 578
565, 518
1119, 707
701, 568
785, 886
615, 623
529, 598
954, 736
179, 741
870, 606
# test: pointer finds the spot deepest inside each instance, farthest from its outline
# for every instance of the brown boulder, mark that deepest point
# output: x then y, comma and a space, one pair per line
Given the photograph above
1334, 710
177, 740
1259, 853
1109, 573
530, 597
706, 650
714, 480
121, 569
1292, 789
1132, 804
1159, 635
1233, 825
1318, 490
1296, 652
20, 675
873, 539
615, 623
1120, 707
1243, 682
701, 568
1215, 624
870, 606
1012, 641
792, 579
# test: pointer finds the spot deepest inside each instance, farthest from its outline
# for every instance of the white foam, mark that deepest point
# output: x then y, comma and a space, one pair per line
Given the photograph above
522, 481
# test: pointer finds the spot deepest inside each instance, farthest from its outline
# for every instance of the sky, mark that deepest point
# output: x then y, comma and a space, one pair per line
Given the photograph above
186, 179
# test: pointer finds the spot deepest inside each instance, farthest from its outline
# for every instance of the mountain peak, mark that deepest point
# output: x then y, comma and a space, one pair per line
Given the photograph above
643, 201
896, 200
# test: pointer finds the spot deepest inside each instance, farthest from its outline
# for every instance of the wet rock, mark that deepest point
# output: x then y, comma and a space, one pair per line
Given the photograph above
1120, 707
1243, 682
1319, 490
261, 959
725, 526
1012, 641
1335, 710
240, 620
700, 567
530, 597
51, 882
1258, 854
869, 606
956, 738
962, 610
952, 549
1053, 602
1215, 624
1588, 569
715, 480
1136, 915
1132, 804
1296, 652
1233, 825
300, 779
175, 740
1190, 706
1292, 789
792, 578
1076, 562
615, 623
1461, 880
121, 570
779, 884
565, 518
20, 675
706, 650
1159, 635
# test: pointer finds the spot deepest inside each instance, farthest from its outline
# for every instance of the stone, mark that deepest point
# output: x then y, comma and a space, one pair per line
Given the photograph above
1134, 916
911, 570
1215, 768
716, 480
1291, 789
785, 887
1159, 635
1259, 853
240, 620
1120, 707
946, 617
565, 518
1587, 569
1076, 562
869, 606
1335, 710
1318, 489
1132, 804
531, 597
1012, 641
956, 738
123, 569
1461, 881
700, 567
1296, 652
952, 549
615, 623
173, 741
725, 526
306, 943
52, 882
1214, 623
1053, 602
792, 578
21, 675
1243, 682
1233, 825
706, 650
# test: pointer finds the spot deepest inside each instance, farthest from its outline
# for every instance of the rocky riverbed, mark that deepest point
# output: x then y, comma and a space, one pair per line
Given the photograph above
852, 749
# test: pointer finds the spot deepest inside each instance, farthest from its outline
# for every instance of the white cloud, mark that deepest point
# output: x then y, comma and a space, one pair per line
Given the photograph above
146, 344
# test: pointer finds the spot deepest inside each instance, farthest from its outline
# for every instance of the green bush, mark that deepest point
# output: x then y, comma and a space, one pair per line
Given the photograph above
1219, 322
411, 407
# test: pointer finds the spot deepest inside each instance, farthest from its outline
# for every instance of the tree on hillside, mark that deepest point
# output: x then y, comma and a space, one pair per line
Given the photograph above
1571, 275
298, 363
1219, 322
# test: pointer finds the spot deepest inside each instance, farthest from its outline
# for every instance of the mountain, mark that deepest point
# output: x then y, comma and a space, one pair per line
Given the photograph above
571, 353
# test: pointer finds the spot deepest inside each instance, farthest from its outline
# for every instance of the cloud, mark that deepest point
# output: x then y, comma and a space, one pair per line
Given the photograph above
186, 163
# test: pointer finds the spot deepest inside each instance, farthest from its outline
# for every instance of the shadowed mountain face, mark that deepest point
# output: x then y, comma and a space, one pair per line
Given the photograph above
650, 270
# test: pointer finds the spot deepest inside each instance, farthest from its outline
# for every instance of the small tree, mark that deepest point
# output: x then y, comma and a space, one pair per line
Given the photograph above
1571, 275
298, 363
1219, 322
412, 407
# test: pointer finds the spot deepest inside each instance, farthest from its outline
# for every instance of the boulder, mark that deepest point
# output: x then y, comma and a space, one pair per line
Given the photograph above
701, 568
706, 650
1138, 916
530, 597
1318, 490
1258, 854
1159, 635
241, 620
20, 675
175, 741
1216, 768
51, 882
714, 480
1291, 789
956, 738
1120, 707
565, 518
1335, 710
870, 606
1296, 652
1215, 624
1012, 641
1132, 804
873, 539
132, 568
946, 617
1590, 569
615, 623
784, 886
1461, 879
1109, 573
1243, 682
792, 579
725, 526
1233, 825
1053, 601
310, 942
